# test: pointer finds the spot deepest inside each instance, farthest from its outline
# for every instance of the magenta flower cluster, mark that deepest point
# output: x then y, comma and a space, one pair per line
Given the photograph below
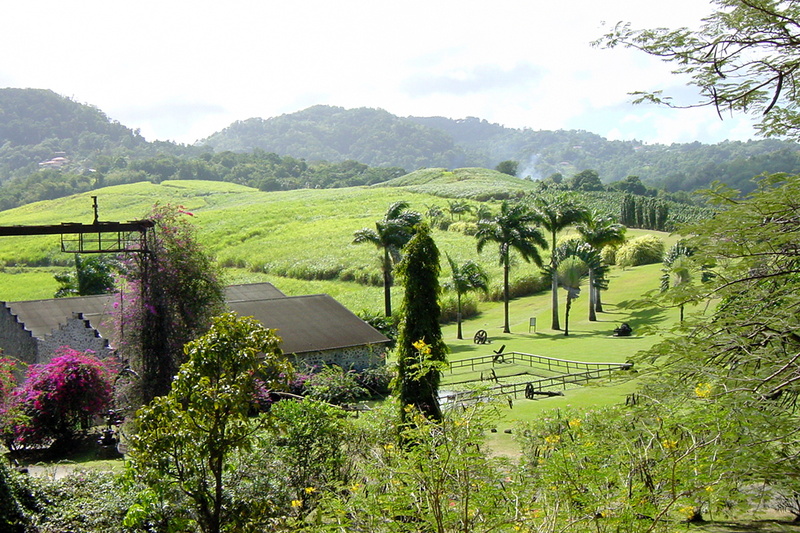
57, 399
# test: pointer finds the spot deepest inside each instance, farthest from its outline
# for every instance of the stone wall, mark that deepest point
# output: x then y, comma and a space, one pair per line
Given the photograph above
15, 340
353, 358
78, 334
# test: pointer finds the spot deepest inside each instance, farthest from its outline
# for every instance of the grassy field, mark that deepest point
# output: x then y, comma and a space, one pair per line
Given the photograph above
284, 237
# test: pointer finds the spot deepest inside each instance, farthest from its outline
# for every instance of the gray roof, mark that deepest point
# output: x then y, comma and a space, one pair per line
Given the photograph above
252, 291
310, 323
305, 323
41, 317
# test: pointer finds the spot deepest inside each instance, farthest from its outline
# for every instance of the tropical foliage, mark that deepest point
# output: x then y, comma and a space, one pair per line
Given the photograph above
421, 352
57, 401
511, 229
464, 278
389, 236
189, 436
170, 294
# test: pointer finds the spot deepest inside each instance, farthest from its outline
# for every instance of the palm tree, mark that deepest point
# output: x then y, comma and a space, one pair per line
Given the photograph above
577, 261
599, 231
555, 213
677, 272
458, 207
390, 235
511, 229
571, 273
470, 276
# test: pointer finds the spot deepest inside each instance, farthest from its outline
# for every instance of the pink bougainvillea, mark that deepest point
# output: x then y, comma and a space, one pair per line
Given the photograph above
58, 399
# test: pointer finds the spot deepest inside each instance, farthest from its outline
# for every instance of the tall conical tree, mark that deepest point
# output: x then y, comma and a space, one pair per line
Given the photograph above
421, 352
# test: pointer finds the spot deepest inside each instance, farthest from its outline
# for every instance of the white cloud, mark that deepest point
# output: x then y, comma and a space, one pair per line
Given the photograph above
182, 70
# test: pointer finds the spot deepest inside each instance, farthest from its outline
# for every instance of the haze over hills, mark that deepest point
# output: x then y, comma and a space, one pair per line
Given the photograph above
51, 146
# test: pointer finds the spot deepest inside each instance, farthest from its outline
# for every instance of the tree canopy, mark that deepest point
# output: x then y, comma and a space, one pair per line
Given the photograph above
743, 59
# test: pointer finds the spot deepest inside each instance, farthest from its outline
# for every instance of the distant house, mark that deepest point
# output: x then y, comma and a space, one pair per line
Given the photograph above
315, 329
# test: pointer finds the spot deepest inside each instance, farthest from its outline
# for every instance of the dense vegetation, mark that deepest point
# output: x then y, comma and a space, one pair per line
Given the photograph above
51, 147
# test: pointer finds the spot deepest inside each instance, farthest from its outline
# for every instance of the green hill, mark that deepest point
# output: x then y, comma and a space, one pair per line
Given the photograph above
474, 183
304, 237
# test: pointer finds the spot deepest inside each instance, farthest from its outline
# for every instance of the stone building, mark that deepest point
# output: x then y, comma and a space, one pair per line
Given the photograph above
315, 329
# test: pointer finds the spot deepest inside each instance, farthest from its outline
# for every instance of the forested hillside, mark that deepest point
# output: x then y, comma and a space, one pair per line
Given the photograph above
51, 147
376, 137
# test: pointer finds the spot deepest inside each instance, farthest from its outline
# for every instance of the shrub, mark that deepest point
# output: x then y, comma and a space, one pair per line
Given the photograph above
644, 250
334, 385
385, 324
524, 286
376, 381
467, 228
60, 398
609, 255
7, 379
449, 308
16, 502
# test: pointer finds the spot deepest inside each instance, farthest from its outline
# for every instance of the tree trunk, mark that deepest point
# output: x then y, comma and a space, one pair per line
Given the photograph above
458, 316
387, 283
506, 329
593, 292
566, 315
554, 289
598, 305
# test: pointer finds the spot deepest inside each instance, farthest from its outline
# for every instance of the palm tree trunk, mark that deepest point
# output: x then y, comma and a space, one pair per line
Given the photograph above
566, 315
554, 285
387, 283
598, 305
554, 289
592, 295
506, 329
458, 316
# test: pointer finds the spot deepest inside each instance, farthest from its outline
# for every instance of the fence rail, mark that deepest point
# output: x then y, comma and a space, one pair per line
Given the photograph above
573, 372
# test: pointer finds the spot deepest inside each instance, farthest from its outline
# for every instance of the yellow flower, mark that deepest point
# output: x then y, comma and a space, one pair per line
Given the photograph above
354, 487
421, 347
552, 439
703, 390
709, 488
575, 423
309, 490
669, 444
297, 503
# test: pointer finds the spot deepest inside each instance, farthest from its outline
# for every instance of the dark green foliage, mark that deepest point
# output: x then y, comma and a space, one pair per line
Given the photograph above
371, 136
187, 438
646, 213
508, 167
173, 292
420, 348
511, 229
334, 385
16, 502
312, 453
93, 275
389, 236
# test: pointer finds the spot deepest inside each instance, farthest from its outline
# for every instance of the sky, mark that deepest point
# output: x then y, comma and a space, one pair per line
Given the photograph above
181, 70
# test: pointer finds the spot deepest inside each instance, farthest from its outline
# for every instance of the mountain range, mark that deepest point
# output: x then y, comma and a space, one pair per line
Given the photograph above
44, 135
